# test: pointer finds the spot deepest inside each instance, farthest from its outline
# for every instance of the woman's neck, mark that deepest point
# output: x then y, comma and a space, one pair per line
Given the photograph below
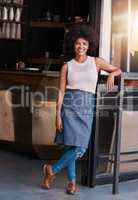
80, 59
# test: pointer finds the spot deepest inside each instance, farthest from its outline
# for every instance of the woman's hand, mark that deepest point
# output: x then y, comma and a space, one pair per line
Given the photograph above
110, 82
101, 64
59, 125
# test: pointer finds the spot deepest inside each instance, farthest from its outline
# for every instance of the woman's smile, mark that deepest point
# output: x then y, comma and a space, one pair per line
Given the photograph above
81, 46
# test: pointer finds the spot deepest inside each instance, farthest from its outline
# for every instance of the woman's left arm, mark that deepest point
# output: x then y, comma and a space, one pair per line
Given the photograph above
101, 64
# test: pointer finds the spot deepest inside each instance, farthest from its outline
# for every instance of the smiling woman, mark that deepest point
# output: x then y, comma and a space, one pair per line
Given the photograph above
76, 101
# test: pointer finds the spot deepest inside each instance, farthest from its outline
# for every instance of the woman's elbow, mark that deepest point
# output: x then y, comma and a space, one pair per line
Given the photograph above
120, 71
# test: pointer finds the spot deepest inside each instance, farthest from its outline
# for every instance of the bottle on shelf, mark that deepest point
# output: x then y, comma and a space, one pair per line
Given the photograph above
0, 32
5, 13
48, 16
3, 30
7, 30
13, 30
18, 14
11, 13
20, 65
0, 13
18, 31
56, 18
47, 54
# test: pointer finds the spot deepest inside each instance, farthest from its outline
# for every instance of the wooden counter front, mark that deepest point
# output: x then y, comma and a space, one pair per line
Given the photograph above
25, 104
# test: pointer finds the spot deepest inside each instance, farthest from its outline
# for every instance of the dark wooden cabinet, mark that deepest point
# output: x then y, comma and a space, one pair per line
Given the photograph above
48, 23
13, 22
33, 31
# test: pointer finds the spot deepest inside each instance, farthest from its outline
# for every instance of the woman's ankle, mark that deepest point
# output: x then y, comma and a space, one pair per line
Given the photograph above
71, 187
50, 170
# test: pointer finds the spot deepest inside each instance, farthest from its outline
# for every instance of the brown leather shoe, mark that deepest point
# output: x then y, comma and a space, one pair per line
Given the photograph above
48, 177
71, 188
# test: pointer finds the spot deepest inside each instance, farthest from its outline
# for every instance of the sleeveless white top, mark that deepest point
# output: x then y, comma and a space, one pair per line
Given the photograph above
82, 76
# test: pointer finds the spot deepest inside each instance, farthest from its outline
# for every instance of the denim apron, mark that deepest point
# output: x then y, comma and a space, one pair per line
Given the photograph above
77, 117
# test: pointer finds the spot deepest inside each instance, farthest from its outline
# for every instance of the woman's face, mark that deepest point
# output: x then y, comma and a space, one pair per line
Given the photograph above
81, 46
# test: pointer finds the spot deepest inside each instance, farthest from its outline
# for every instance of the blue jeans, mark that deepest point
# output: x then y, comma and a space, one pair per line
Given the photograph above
70, 155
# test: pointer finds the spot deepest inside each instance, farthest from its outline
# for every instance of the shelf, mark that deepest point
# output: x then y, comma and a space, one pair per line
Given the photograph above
12, 39
44, 61
13, 5
11, 21
46, 24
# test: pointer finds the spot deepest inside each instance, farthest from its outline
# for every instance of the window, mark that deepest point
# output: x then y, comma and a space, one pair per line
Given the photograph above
124, 34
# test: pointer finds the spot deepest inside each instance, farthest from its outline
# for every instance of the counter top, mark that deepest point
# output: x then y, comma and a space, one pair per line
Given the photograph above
28, 77
33, 77
126, 75
30, 73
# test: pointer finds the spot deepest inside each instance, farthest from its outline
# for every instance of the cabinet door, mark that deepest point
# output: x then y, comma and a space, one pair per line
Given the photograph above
6, 117
43, 124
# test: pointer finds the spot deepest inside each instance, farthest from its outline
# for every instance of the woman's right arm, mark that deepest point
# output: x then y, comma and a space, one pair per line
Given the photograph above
59, 102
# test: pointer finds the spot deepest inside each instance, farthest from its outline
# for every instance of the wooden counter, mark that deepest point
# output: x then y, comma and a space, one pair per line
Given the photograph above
26, 113
31, 125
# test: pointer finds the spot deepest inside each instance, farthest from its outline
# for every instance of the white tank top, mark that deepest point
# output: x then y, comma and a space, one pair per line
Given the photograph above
82, 76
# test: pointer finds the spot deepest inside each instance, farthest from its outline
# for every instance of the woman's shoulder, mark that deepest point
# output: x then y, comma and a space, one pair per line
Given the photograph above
70, 61
93, 58
67, 64
99, 59
99, 62
64, 67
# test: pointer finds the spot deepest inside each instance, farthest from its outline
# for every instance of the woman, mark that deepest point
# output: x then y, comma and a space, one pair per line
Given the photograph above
75, 103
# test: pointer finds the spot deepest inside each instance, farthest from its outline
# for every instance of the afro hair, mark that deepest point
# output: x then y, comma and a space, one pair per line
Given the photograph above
79, 30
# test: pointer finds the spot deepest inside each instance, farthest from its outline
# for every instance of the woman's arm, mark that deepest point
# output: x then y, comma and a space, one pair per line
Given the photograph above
101, 64
62, 87
59, 102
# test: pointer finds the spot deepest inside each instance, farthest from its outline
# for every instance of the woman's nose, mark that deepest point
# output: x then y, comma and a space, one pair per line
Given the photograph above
81, 45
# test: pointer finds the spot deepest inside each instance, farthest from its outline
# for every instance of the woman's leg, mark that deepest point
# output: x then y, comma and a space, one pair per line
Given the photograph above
71, 168
70, 155
71, 171
68, 160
